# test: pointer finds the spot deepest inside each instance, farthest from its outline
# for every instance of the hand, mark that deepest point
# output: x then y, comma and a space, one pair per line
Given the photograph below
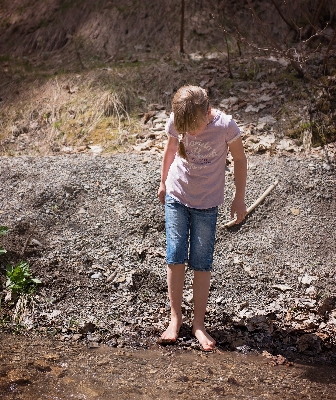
238, 207
162, 193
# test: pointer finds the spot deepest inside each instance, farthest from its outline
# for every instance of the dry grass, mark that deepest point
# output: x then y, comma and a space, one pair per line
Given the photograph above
69, 110
44, 113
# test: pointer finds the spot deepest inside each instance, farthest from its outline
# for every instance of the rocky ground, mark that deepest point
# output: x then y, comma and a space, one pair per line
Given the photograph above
92, 230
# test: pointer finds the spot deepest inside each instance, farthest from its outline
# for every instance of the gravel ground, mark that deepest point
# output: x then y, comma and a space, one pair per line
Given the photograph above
92, 230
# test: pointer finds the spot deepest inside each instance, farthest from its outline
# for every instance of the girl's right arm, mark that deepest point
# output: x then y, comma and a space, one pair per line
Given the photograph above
168, 157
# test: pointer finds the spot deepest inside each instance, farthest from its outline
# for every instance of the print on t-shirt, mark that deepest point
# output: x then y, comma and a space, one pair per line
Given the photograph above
195, 151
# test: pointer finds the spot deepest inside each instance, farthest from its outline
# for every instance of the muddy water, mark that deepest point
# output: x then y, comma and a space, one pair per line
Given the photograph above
33, 369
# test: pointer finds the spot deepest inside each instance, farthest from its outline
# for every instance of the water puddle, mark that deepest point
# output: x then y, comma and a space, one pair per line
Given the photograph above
33, 369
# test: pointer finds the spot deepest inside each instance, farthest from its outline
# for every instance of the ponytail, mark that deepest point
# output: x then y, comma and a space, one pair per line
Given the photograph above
181, 149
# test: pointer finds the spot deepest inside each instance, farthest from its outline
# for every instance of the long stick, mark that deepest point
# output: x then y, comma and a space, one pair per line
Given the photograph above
255, 204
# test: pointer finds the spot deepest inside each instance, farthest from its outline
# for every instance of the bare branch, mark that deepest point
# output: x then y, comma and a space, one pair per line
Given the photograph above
325, 59
182, 26
317, 14
228, 55
267, 35
289, 23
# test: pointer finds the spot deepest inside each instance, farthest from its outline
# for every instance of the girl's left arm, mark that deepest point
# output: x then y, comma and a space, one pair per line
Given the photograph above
238, 206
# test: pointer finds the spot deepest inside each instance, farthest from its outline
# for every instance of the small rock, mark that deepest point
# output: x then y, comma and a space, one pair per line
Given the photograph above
267, 120
332, 318
97, 275
283, 288
259, 322
96, 149
237, 260
227, 103
310, 342
88, 327
121, 279
311, 292
35, 241
328, 304
54, 314
305, 303
307, 279
243, 305
286, 144
295, 211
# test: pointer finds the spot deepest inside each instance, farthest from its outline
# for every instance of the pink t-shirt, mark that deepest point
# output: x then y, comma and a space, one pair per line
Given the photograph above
200, 182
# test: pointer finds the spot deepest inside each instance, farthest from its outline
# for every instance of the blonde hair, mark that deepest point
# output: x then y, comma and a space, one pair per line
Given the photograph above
190, 106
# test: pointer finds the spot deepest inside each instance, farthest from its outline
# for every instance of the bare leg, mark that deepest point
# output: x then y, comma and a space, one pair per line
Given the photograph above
175, 280
201, 286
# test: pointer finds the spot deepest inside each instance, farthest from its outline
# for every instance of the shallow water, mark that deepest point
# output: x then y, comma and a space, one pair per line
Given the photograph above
33, 369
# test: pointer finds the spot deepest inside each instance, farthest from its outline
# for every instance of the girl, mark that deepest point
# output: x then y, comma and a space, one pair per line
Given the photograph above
192, 188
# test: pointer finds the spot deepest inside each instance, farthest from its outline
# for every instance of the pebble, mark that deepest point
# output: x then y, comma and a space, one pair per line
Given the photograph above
283, 288
98, 275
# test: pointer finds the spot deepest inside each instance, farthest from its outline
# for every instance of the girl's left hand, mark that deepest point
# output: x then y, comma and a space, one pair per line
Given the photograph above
238, 207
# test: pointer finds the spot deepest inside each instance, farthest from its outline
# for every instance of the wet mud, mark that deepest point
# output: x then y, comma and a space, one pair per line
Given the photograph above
39, 368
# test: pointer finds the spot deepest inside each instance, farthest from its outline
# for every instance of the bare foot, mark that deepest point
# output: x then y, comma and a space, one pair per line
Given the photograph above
206, 341
171, 333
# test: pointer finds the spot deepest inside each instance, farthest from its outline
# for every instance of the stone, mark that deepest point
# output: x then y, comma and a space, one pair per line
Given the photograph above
328, 304
295, 211
96, 149
237, 260
259, 322
283, 288
307, 279
226, 103
305, 303
309, 342
243, 305
97, 275
311, 291
286, 144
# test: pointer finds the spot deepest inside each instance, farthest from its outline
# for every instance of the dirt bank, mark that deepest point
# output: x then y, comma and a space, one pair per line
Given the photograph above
92, 230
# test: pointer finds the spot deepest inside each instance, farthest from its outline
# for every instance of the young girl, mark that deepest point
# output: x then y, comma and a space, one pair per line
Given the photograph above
192, 188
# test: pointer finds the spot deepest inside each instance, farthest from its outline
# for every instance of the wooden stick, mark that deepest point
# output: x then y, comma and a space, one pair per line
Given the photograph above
255, 204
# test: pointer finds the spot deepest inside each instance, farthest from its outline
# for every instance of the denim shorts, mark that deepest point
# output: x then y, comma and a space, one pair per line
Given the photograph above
190, 235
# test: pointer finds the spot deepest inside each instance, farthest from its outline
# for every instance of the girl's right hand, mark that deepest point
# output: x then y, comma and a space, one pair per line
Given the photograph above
162, 193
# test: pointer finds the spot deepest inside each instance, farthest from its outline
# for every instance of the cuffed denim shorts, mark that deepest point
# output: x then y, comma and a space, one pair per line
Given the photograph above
190, 235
